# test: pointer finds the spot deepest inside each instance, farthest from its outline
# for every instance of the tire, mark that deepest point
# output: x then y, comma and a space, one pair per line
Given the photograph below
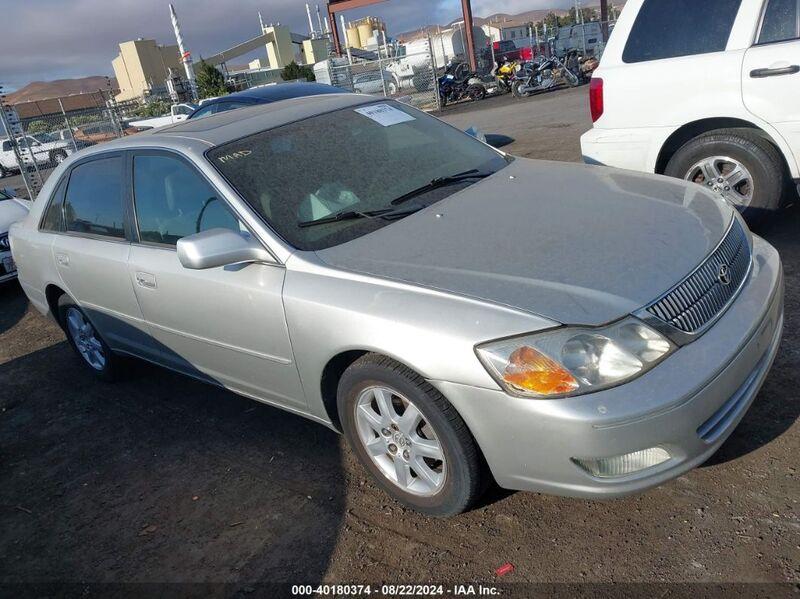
57, 157
515, 89
462, 474
476, 93
760, 159
572, 79
110, 367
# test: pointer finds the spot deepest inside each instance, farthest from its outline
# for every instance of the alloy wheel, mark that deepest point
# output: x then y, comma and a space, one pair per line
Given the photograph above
85, 338
400, 441
726, 177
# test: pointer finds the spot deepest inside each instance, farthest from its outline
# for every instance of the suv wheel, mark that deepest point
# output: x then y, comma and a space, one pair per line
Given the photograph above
409, 437
737, 165
58, 156
86, 341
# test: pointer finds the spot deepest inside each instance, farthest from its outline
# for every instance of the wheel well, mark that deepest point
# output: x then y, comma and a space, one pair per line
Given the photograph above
53, 293
329, 384
688, 132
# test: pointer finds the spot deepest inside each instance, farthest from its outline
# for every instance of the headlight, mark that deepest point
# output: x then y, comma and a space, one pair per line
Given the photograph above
574, 361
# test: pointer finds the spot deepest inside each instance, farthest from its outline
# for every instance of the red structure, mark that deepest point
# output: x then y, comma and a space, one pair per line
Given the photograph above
338, 6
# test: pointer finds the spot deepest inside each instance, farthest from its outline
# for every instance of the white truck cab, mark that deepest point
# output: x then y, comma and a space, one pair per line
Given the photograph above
178, 113
704, 91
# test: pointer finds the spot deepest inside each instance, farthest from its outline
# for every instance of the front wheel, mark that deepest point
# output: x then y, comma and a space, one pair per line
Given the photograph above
737, 165
409, 437
58, 157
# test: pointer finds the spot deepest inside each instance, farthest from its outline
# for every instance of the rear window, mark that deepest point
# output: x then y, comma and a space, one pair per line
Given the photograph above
94, 201
673, 28
781, 21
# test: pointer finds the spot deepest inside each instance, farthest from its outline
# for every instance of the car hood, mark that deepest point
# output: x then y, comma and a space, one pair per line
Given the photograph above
11, 211
573, 243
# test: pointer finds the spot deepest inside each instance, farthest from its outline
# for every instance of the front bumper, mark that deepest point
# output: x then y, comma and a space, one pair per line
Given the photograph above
687, 405
8, 269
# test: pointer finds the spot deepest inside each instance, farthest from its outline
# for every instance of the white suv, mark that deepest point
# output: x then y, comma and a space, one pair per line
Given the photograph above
704, 91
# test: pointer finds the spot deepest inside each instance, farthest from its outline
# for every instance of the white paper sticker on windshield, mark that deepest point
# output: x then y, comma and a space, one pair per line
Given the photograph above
385, 115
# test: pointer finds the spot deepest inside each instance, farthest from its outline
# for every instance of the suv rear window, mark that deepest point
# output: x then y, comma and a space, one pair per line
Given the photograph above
672, 28
781, 22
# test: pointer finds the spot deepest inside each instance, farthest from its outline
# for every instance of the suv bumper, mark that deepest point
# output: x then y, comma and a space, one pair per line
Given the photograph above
687, 405
633, 149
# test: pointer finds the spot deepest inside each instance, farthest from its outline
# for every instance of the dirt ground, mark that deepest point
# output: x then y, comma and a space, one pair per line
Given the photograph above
163, 479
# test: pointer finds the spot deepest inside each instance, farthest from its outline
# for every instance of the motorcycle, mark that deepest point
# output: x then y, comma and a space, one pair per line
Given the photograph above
505, 75
542, 76
453, 89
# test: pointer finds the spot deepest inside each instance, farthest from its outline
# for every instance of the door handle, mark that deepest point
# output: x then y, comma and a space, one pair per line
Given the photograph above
62, 259
145, 279
762, 73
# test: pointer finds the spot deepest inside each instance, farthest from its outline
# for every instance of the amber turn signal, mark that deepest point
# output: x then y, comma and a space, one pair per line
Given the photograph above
530, 370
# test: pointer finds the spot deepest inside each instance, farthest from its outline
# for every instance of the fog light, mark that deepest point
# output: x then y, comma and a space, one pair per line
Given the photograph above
623, 464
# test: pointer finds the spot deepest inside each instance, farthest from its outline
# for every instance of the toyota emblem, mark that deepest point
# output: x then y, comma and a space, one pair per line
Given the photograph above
724, 274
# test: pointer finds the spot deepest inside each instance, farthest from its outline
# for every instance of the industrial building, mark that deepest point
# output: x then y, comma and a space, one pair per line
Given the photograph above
142, 67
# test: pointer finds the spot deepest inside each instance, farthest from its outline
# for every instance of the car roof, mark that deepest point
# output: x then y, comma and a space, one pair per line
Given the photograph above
227, 126
276, 93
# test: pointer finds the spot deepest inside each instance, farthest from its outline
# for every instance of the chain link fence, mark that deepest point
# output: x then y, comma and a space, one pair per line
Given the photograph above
408, 78
36, 140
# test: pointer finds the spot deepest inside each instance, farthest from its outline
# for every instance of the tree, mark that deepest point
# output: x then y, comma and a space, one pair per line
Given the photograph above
210, 82
552, 23
39, 127
294, 71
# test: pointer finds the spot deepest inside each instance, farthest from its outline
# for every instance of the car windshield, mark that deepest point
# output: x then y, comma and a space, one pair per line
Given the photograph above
332, 178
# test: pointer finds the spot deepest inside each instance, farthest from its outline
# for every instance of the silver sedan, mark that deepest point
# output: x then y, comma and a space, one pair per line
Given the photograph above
459, 314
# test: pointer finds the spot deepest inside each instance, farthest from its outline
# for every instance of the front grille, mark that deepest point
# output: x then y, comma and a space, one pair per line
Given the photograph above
704, 294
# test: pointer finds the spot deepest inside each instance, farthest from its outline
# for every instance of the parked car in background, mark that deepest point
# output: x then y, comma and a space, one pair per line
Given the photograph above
12, 209
178, 113
369, 82
62, 135
578, 331
100, 132
43, 153
265, 94
703, 91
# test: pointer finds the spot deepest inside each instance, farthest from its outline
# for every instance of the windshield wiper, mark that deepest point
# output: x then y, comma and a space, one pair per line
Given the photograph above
343, 215
441, 182
385, 213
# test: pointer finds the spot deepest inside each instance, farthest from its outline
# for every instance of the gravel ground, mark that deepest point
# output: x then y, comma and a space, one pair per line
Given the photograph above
162, 479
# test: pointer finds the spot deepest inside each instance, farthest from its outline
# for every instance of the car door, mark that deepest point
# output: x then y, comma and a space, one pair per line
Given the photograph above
223, 324
771, 71
90, 248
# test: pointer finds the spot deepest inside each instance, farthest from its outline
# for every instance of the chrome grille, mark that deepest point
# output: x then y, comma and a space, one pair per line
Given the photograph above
704, 294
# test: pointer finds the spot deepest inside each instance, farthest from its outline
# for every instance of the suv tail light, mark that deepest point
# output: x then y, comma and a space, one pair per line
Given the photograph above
596, 98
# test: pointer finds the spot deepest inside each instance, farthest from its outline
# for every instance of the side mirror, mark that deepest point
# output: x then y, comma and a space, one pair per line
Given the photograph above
475, 132
219, 247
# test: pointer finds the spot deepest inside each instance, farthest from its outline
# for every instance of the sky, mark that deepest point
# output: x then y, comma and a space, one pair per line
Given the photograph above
57, 39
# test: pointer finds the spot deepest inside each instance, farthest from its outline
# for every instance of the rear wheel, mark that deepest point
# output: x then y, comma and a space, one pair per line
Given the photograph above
409, 437
737, 165
516, 89
86, 341
476, 92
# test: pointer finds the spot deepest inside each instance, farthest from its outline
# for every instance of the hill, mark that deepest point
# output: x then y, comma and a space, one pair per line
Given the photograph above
44, 90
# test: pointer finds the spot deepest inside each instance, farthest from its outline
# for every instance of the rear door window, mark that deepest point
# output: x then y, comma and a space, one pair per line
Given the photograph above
94, 202
673, 28
781, 22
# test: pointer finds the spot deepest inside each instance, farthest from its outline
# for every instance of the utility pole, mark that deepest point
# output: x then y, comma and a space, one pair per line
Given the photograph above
604, 19
466, 6
186, 56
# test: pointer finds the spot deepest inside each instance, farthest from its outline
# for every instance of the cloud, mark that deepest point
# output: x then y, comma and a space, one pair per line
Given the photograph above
53, 39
